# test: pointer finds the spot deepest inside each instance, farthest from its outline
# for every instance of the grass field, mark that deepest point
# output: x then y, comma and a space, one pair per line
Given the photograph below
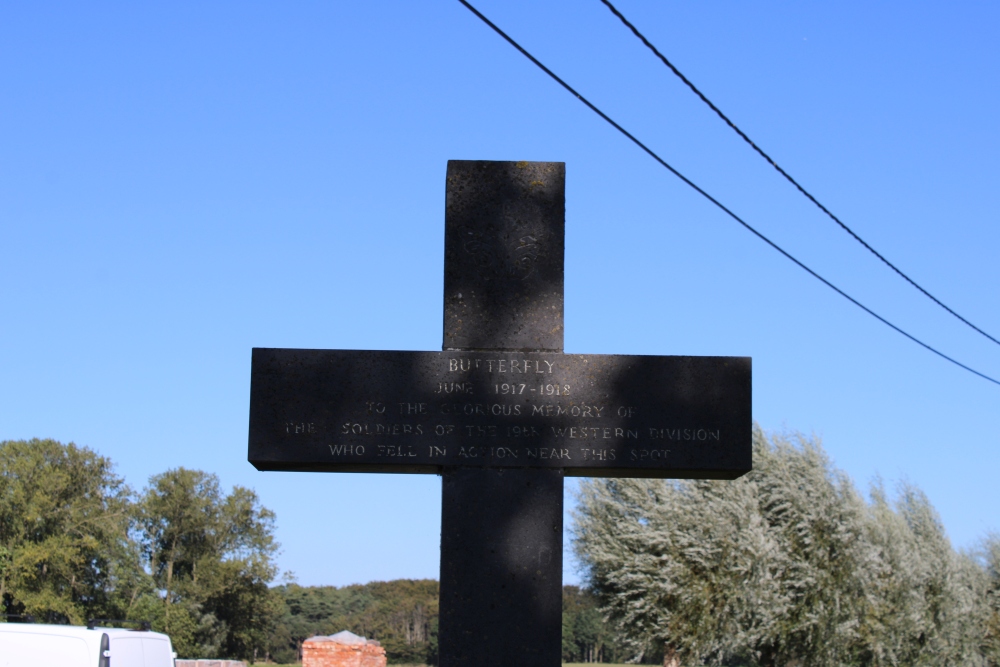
565, 664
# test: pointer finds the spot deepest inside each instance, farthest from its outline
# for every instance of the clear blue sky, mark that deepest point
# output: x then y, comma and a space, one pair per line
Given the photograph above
180, 182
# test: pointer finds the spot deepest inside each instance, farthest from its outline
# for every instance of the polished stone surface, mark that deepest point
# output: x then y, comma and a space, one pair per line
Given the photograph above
424, 412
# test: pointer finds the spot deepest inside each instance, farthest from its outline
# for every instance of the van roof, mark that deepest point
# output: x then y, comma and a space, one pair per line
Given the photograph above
76, 630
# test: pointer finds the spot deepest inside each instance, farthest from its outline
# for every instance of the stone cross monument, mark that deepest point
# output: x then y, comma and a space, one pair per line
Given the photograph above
502, 414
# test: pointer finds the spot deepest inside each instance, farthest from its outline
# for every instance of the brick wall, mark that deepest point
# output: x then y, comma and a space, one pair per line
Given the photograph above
333, 654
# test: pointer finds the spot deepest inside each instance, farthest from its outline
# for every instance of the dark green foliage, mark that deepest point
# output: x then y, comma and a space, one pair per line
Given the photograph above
211, 556
65, 517
401, 615
75, 543
585, 635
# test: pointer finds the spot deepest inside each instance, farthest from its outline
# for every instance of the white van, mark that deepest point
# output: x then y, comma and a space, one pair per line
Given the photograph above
37, 645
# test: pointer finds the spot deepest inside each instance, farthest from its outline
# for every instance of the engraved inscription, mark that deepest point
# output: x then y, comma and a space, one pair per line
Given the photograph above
484, 409
699, 434
395, 450
541, 389
299, 428
454, 388
510, 409
347, 450
518, 259
556, 410
583, 433
364, 428
512, 366
599, 454
648, 454
523, 431
544, 453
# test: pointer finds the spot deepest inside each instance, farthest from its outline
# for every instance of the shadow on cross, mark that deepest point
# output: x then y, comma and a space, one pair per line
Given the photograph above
504, 246
501, 566
501, 442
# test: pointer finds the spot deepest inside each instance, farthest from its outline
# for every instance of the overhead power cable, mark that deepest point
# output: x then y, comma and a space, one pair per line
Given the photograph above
784, 173
712, 199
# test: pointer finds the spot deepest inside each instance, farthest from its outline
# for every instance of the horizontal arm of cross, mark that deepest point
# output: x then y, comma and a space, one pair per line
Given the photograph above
423, 412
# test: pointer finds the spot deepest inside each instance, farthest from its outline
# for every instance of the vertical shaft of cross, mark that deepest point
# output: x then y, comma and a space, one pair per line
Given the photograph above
501, 568
501, 529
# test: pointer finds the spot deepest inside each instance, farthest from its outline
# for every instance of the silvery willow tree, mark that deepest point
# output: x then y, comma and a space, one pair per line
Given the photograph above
786, 565
990, 559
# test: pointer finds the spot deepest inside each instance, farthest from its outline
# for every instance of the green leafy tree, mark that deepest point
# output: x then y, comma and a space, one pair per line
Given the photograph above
211, 556
585, 635
242, 601
65, 549
402, 615
180, 511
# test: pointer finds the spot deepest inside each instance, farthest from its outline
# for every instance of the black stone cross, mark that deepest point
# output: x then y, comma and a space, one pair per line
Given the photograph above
501, 414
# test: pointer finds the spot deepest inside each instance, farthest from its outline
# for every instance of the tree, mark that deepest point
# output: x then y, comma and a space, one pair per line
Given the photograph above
179, 511
402, 615
211, 555
786, 565
990, 559
65, 551
925, 603
585, 636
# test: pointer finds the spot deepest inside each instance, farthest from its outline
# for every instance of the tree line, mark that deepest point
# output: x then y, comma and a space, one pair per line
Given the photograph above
403, 616
788, 565
77, 543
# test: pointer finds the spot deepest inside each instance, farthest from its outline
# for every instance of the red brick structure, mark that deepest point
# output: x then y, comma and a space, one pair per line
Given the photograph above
344, 649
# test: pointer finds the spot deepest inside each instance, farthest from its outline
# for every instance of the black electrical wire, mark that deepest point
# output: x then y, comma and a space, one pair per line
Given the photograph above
781, 171
712, 199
